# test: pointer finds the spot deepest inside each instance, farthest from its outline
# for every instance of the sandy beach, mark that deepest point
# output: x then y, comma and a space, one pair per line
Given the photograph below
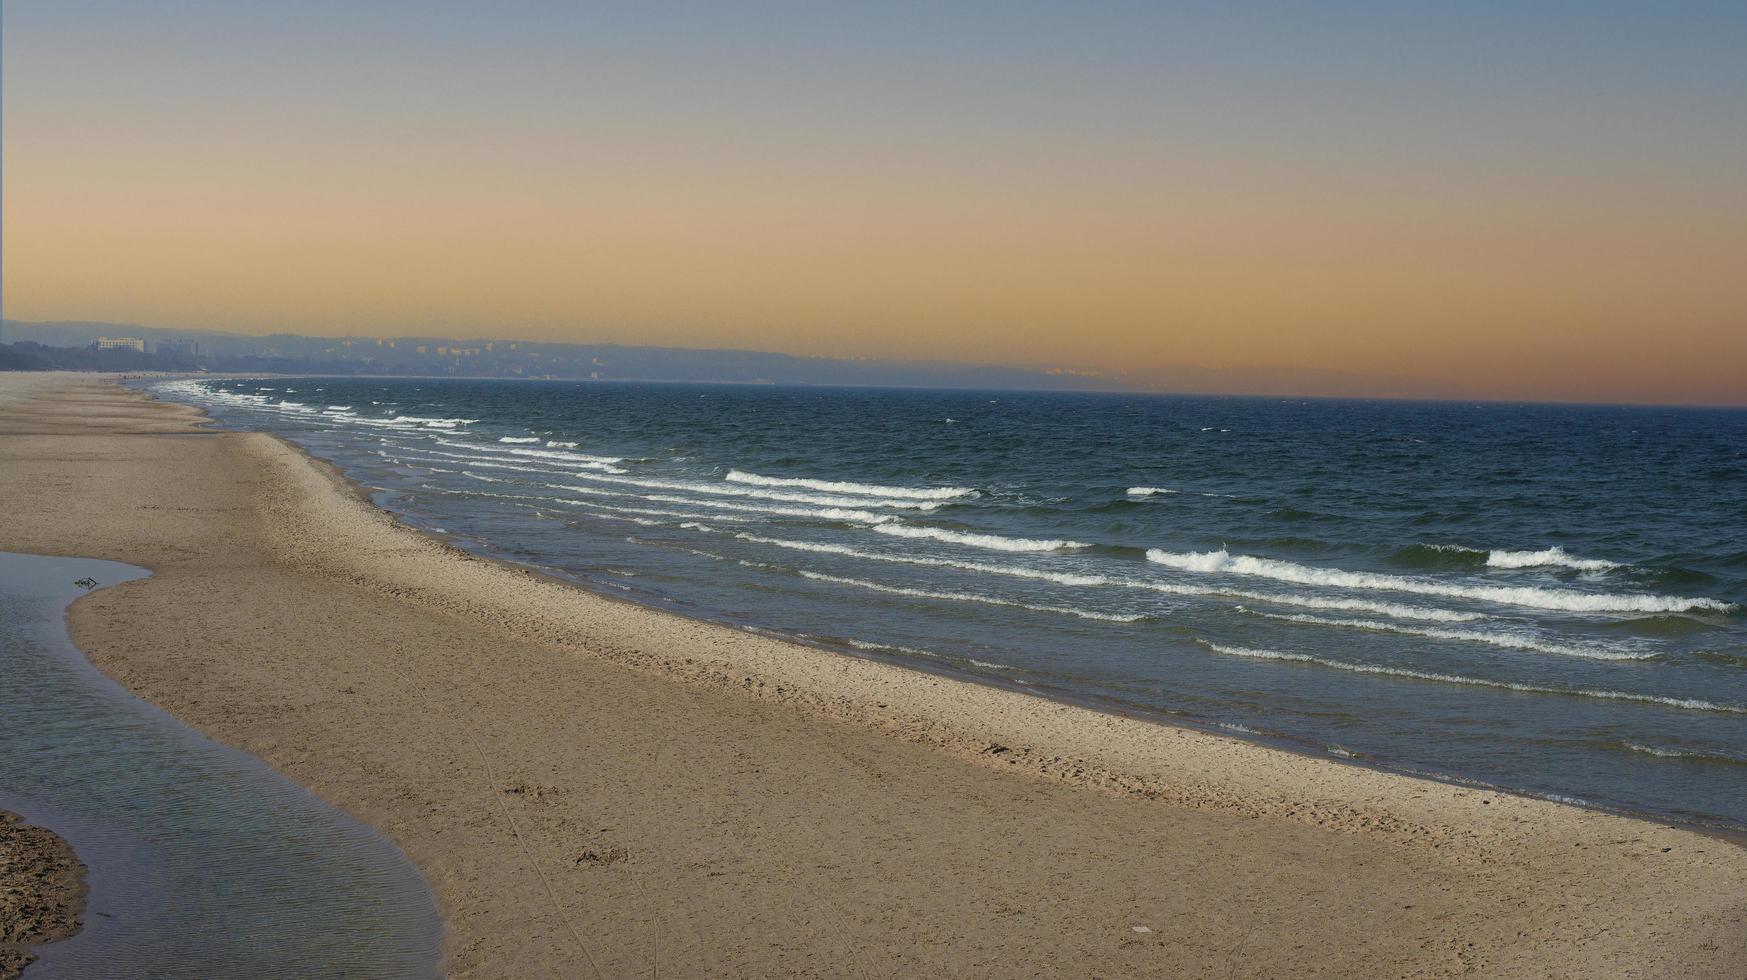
42, 891
596, 788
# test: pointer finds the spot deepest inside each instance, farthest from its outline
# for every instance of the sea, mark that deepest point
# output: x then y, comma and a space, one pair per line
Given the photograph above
1545, 599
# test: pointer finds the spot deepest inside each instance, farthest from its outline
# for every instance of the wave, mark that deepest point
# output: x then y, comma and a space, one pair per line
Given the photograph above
556, 454
1690, 704
1440, 557
717, 489
993, 542
559, 444
520, 439
1538, 598
1510, 640
891, 648
912, 651
649, 511
1548, 556
1665, 753
530, 467
1079, 579
433, 423
824, 514
535, 502
1149, 491
839, 486
974, 597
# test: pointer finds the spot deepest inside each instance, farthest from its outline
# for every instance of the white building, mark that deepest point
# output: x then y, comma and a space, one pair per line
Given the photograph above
121, 343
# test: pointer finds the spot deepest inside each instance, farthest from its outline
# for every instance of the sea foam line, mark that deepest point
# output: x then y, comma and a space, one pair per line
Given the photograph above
993, 542
1555, 555
1690, 704
1662, 753
973, 597
555, 454
843, 486
892, 648
1537, 598
548, 501
825, 514
1512, 641
720, 490
515, 466
1079, 579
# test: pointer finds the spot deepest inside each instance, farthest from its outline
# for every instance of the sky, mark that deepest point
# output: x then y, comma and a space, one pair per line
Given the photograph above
1543, 201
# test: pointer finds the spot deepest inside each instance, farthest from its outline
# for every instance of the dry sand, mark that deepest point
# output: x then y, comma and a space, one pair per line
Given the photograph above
42, 892
592, 787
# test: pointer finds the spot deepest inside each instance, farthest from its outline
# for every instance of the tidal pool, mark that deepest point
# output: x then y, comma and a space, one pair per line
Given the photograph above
202, 860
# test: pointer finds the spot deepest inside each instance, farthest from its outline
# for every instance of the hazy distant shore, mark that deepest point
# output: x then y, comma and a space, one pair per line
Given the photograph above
588, 784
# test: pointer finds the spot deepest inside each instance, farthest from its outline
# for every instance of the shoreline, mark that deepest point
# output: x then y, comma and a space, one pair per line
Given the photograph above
1730, 833
43, 889
1638, 895
1117, 781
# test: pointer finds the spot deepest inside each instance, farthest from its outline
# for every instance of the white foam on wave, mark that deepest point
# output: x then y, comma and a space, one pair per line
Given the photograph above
1554, 556
1514, 641
552, 454
843, 486
433, 423
530, 467
1149, 491
1666, 753
652, 511
993, 542
559, 444
791, 496
973, 597
1080, 579
1537, 598
548, 501
778, 510
520, 439
1690, 704
891, 648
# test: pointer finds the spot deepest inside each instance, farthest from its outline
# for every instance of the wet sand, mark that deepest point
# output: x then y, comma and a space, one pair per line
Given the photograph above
592, 787
42, 892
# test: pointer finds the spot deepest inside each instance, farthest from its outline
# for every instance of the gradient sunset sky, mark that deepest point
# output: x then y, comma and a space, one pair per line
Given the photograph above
1523, 200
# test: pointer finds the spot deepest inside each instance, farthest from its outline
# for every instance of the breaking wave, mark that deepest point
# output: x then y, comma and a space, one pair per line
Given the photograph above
840, 486
1690, 704
717, 489
1664, 753
1538, 598
993, 542
1514, 641
974, 597
1548, 556
1080, 579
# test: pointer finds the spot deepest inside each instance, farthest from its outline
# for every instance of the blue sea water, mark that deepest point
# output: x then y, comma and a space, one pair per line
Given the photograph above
1547, 599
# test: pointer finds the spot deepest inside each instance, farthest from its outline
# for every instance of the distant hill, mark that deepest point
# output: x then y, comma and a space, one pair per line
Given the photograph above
498, 358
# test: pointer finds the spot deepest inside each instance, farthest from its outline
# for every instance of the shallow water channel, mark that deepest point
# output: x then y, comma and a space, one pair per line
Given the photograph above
202, 860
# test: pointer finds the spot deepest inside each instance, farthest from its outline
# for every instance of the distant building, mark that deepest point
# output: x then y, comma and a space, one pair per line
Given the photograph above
120, 343
176, 348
